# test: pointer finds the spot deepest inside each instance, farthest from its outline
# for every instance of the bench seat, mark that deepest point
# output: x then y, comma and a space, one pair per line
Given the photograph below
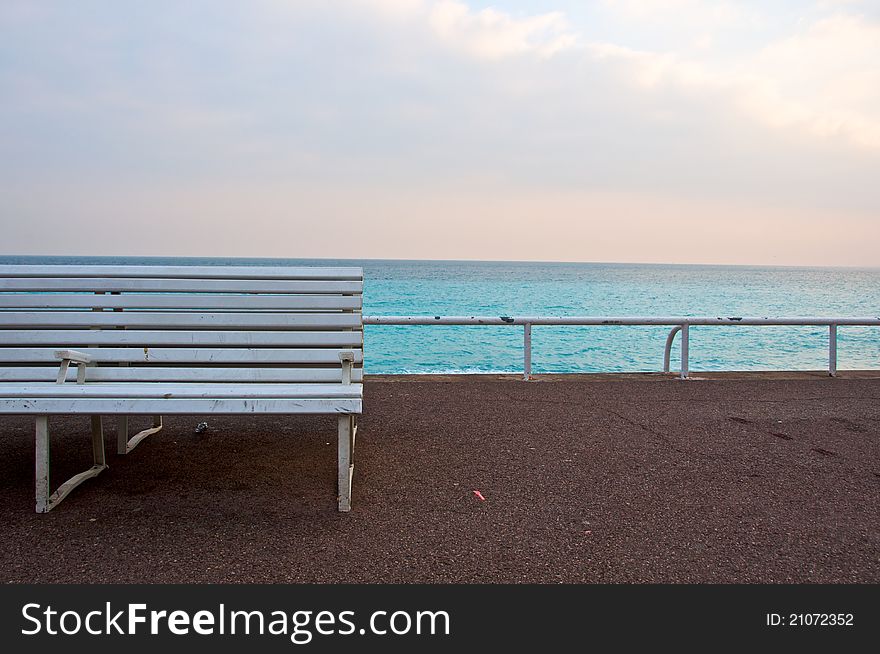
179, 399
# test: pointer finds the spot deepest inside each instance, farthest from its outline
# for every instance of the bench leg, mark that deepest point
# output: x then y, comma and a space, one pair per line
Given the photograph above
347, 427
45, 501
124, 445
42, 464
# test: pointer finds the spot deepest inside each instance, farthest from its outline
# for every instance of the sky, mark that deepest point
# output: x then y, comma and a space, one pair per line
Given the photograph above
682, 131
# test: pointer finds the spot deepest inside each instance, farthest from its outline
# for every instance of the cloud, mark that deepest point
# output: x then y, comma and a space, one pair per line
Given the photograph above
823, 81
395, 8
701, 14
493, 34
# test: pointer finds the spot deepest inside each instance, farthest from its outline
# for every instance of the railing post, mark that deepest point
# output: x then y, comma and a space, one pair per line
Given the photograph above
832, 350
527, 351
684, 350
668, 351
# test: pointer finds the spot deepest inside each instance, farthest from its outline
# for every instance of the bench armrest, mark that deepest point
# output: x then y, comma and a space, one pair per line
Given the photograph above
347, 359
80, 359
73, 355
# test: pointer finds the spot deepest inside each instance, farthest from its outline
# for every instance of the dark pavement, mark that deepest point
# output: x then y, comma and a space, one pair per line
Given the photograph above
739, 479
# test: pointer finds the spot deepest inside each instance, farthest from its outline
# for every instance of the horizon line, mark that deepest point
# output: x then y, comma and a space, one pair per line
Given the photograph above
405, 260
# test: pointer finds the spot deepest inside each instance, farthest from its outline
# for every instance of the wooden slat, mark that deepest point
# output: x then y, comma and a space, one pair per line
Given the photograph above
198, 338
212, 374
179, 301
169, 391
85, 406
178, 320
153, 285
184, 272
185, 355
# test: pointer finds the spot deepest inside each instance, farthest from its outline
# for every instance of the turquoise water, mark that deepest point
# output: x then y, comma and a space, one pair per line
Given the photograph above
559, 289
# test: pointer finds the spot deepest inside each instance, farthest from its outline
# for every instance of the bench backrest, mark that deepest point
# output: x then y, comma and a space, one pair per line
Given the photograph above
181, 323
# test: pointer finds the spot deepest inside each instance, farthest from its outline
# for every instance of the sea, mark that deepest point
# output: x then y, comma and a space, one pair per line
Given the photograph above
469, 288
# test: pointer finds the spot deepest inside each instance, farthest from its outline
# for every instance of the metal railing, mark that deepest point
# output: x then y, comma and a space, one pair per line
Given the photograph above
679, 325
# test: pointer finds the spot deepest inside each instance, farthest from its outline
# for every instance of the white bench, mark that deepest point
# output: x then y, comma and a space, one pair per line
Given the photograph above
172, 340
